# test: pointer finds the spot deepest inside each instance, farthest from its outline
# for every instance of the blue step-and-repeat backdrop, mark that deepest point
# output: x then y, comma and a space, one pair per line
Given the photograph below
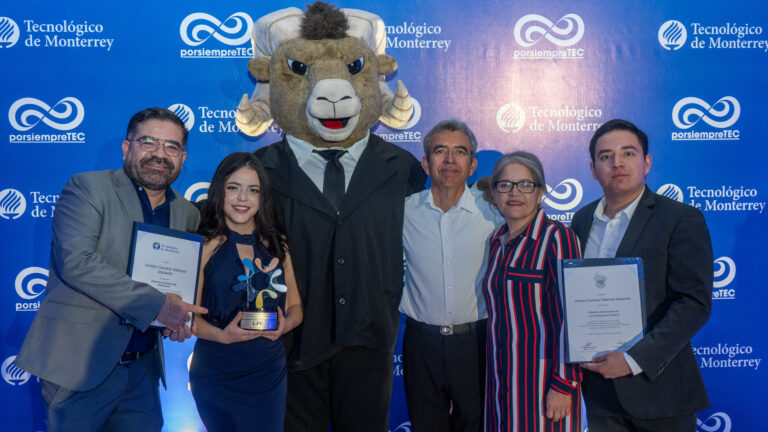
533, 75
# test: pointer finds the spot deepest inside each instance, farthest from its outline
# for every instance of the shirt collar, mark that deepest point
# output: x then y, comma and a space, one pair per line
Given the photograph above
627, 211
466, 201
303, 150
533, 230
144, 198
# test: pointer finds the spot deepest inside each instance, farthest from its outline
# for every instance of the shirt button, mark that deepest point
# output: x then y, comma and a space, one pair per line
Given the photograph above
342, 301
340, 261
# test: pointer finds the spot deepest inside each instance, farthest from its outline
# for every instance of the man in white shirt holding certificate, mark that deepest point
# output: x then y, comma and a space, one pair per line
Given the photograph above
655, 385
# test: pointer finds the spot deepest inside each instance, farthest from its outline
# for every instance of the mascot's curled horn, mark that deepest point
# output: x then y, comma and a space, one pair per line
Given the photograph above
321, 67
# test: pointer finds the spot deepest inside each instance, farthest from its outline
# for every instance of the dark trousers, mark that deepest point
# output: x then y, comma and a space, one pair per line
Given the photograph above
128, 400
605, 413
444, 377
350, 392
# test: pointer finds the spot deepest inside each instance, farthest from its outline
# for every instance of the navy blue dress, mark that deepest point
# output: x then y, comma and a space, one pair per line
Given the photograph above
239, 386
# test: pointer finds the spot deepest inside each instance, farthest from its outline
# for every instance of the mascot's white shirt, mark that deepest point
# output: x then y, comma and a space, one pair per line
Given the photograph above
314, 165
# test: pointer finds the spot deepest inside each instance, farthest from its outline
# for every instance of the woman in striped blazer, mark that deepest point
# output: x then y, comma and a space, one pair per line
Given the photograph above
528, 385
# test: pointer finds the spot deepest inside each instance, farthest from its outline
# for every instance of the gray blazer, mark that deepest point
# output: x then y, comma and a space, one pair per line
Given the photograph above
76, 338
673, 241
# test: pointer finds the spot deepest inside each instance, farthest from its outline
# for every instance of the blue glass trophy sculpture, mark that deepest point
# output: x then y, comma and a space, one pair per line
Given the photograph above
257, 316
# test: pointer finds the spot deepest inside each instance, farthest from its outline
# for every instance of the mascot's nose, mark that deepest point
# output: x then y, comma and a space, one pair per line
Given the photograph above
323, 98
332, 99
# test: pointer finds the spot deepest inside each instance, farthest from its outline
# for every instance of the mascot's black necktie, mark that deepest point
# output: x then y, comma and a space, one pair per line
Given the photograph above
333, 179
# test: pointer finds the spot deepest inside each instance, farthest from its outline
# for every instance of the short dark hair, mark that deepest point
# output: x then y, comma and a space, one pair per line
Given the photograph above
451, 125
155, 113
213, 221
617, 124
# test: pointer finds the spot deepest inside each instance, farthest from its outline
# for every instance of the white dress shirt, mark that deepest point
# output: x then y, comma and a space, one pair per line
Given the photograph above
314, 165
446, 254
604, 240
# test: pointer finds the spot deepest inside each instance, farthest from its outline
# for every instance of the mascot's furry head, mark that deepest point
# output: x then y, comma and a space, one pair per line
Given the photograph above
319, 76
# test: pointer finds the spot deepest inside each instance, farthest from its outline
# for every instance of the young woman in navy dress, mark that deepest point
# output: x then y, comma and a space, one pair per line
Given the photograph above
238, 376
528, 385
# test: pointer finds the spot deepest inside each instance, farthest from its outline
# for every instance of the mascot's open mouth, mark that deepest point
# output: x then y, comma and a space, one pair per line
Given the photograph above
333, 129
335, 123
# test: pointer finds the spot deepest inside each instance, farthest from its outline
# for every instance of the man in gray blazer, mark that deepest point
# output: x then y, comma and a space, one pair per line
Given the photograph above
91, 343
656, 384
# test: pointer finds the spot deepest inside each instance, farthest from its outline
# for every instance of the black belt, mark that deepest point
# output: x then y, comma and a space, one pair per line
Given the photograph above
444, 330
130, 357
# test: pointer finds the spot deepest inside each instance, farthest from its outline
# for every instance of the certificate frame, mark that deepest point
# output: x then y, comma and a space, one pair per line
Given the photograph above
618, 328
167, 259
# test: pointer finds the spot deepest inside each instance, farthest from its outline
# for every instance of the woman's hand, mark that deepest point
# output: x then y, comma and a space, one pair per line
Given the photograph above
232, 333
557, 405
276, 333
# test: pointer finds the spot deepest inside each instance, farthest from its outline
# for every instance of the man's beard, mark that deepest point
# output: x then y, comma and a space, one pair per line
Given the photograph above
149, 178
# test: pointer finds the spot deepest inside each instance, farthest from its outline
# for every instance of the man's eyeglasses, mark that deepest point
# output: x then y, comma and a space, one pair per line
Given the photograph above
150, 144
505, 186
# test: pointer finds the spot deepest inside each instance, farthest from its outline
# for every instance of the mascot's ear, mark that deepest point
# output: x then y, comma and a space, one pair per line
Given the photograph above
259, 68
387, 64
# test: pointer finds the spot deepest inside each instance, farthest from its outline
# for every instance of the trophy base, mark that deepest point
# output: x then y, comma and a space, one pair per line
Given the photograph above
261, 320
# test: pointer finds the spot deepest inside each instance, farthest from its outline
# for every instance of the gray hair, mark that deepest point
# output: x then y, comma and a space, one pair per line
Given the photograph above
528, 160
451, 125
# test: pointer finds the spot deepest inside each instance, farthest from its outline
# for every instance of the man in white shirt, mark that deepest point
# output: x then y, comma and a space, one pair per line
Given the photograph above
445, 238
656, 384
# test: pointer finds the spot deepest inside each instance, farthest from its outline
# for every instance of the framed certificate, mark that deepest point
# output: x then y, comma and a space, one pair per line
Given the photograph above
167, 259
604, 305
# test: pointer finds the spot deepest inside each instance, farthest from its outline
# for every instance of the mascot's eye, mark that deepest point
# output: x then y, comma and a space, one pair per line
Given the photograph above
356, 66
297, 67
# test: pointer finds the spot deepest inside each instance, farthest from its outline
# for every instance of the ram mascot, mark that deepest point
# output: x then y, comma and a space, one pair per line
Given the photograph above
320, 78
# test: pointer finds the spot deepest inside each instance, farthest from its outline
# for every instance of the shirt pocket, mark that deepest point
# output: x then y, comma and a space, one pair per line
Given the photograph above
524, 275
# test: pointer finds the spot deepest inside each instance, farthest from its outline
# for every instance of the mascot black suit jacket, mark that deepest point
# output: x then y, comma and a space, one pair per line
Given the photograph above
349, 265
